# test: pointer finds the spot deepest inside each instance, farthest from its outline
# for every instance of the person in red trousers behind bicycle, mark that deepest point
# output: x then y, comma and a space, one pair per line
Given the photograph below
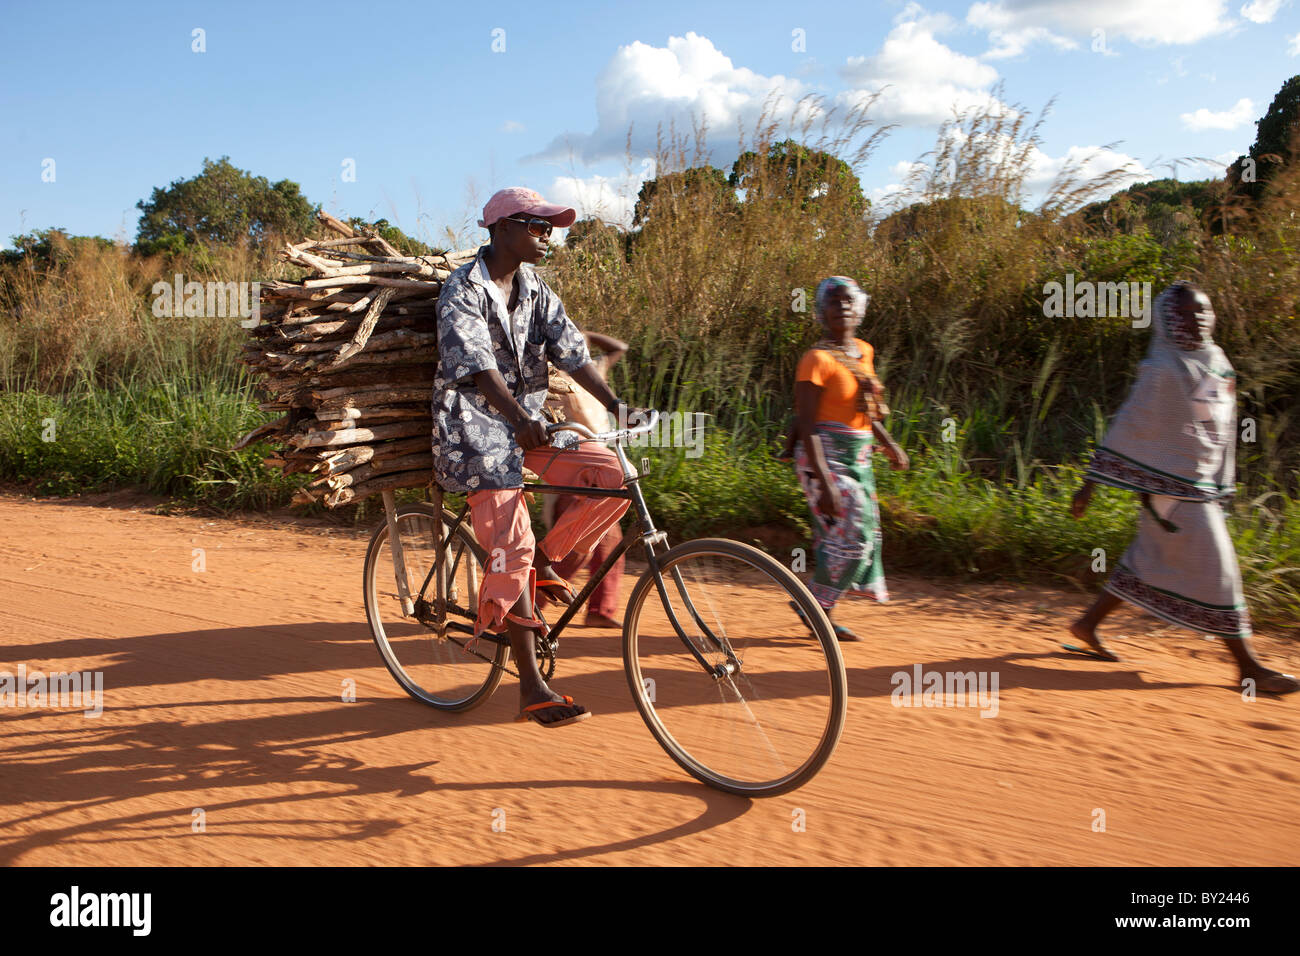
582, 407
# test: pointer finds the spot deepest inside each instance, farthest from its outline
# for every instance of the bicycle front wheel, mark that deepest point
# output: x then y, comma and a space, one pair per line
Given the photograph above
765, 709
439, 671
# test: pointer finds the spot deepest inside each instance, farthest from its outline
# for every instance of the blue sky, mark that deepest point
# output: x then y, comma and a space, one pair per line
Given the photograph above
435, 118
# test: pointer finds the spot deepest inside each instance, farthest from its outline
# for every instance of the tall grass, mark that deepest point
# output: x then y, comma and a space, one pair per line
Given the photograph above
708, 293
997, 404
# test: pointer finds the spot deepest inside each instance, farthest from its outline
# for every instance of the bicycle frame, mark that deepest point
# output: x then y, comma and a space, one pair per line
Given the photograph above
645, 533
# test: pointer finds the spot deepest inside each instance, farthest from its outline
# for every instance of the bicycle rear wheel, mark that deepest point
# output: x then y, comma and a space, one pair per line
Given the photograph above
436, 671
770, 713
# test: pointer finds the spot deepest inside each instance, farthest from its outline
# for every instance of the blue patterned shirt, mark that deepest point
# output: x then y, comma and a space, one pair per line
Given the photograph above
474, 447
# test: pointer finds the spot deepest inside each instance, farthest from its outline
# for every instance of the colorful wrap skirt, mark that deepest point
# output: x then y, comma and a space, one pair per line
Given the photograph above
847, 549
1189, 576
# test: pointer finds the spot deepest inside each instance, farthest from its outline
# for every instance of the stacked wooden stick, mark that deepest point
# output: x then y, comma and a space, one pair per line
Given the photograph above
348, 355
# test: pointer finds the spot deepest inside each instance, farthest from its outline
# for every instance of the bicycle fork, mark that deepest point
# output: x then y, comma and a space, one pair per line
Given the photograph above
650, 537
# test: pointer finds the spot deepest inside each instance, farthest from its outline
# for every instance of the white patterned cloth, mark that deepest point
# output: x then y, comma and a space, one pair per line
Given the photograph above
473, 445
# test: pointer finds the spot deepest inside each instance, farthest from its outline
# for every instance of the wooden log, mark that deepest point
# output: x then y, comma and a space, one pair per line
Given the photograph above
262, 431
352, 281
402, 446
363, 473
401, 479
284, 363
365, 413
332, 243
364, 330
342, 460
349, 396
381, 266
356, 436
393, 356
384, 245
408, 376
342, 228
341, 328
400, 363
371, 421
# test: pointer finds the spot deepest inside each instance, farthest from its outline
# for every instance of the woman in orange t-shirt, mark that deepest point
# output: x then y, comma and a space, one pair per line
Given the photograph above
838, 409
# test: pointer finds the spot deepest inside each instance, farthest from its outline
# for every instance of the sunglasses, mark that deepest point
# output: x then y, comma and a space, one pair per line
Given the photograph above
538, 228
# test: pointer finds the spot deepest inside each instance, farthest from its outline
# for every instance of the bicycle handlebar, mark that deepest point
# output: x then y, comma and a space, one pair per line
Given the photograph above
618, 435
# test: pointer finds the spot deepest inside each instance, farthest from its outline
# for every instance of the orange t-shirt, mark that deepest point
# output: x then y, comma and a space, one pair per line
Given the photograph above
839, 398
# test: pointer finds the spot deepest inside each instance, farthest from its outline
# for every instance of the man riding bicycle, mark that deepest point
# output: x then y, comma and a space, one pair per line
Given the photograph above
498, 325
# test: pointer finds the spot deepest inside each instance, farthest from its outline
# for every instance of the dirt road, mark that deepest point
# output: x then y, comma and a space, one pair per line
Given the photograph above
224, 738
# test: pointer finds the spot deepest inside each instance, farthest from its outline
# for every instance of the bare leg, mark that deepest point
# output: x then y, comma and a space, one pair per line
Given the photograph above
1266, 679
532, 689
1085, 628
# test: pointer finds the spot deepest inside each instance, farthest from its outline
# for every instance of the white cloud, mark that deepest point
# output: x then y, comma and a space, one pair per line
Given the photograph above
1214, 166
920, 80
512, 126
1141, 21
597, 197
891, 198
1261, 11
1086, 162
684, 83
1009, 43
1293, 45
1204, 119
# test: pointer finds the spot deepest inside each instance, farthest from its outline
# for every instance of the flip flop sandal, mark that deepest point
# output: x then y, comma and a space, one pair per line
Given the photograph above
1089, 652
560, 585
842, 633
530, 713
1277, 684
503, 635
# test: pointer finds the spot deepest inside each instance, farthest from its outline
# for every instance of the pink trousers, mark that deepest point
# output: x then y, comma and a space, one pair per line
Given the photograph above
503, 528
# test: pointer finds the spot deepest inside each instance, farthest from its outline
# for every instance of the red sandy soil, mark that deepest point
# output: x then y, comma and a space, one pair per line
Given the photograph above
222, 692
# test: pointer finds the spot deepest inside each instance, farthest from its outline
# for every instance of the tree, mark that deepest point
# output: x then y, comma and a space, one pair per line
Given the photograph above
1169, 208
1274, 137
43, 248
792, 171
222, 204
707, 184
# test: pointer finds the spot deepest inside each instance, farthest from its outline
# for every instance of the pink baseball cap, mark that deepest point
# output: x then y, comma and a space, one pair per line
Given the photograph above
516, 199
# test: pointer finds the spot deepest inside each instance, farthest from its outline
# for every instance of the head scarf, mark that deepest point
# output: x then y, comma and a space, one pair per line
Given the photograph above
827, 287
866, 401
1176, 433
1184, 333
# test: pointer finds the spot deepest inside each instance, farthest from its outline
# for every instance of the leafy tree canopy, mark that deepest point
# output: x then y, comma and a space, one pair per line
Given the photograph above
221, 204
707, 183
1168, 208
42, 248
1274, 138
793, 171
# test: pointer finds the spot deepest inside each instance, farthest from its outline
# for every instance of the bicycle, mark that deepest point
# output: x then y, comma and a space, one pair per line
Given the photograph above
754, 709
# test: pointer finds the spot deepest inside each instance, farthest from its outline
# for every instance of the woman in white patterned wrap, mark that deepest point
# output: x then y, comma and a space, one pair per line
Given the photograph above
1174, 442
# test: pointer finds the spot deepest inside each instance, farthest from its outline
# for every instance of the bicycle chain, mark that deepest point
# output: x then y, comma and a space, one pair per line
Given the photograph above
544, 649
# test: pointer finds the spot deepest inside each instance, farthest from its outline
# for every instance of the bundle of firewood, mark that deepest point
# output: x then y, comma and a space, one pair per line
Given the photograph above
348, 354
